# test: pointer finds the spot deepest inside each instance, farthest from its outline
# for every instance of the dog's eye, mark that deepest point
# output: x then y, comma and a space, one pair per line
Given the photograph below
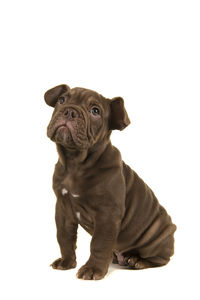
95, 111
61, 100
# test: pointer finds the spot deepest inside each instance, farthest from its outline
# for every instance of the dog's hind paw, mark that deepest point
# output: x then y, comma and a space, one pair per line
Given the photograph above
139, 263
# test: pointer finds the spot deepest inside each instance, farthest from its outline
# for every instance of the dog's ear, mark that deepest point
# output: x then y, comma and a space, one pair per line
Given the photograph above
119, 118
52, 95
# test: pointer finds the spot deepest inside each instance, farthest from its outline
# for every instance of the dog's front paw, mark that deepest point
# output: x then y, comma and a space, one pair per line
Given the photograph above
63, 264
89, 272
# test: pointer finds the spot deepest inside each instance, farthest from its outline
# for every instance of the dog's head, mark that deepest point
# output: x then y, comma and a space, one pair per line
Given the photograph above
82, 117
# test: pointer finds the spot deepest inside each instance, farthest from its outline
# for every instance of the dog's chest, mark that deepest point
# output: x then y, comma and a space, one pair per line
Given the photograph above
74, 189
72, 184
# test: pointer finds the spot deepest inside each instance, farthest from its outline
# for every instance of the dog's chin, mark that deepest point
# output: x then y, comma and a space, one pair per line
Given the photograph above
67, 136
63, 136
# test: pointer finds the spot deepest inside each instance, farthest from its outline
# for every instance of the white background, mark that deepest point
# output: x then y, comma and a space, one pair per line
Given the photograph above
148, 52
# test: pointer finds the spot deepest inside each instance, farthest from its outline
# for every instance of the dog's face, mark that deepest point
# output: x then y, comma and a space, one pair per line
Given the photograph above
82, 117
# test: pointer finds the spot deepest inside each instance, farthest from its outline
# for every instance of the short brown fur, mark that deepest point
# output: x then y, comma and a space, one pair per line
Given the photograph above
96, 189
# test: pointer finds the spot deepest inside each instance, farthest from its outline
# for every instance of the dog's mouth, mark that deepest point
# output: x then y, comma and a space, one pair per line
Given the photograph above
60, 127
71, 134
59, 132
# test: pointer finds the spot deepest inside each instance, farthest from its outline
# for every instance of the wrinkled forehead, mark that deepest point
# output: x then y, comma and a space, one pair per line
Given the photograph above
86, 97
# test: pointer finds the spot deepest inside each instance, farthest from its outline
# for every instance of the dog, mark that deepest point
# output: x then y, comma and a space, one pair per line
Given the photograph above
96, 189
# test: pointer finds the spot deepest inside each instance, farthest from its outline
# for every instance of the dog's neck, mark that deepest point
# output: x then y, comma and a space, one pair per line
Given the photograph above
87, 158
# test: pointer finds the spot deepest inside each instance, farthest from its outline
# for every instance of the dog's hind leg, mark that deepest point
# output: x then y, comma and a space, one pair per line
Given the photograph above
151, 262
125, 259
136, 262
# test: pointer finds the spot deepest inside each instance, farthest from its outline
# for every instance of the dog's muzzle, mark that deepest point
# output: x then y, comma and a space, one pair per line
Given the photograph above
68, 128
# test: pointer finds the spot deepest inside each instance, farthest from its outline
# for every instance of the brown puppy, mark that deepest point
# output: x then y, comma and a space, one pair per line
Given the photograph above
97, 190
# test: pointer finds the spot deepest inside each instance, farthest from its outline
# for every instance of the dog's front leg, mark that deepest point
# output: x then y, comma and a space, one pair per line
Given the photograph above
102, 244
66, 236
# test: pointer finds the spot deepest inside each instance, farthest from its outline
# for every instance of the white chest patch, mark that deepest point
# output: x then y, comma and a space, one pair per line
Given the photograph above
78, 215
75, 195
64, 191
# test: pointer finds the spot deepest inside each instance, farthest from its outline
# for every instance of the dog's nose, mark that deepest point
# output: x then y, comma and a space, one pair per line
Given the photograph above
70, 113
